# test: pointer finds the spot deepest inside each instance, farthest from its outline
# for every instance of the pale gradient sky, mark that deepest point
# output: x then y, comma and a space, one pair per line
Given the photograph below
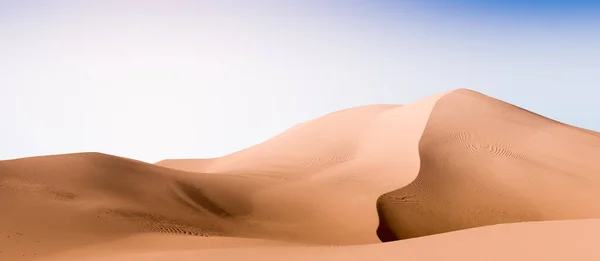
190, 79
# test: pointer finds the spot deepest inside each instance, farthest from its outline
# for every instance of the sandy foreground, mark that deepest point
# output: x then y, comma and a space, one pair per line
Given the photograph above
454, 176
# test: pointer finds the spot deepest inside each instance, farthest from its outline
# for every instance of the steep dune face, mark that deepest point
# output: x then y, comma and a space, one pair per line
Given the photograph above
486, 162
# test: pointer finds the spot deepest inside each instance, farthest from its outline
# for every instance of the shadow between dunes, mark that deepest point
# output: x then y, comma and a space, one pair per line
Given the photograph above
486, 162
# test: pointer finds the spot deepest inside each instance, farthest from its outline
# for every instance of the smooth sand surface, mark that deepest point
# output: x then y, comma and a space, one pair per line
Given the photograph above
550, 240
435, 176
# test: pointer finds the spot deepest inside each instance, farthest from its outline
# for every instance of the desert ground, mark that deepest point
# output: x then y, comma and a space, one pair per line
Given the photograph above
454, 176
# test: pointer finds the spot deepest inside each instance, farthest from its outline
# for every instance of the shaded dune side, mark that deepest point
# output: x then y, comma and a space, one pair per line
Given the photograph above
59, 202
486, 162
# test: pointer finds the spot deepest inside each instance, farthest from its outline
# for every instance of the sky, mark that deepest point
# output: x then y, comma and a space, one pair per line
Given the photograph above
151, 80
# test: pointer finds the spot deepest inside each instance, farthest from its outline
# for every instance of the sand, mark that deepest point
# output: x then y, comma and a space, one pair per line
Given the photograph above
458, 175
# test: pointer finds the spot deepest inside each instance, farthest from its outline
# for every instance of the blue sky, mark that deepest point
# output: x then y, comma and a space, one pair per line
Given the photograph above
534, 6
163, 79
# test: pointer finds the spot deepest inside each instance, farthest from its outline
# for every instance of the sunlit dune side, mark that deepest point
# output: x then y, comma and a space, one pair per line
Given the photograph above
551, 240
486, 162
433, 174
301, 151
365, 137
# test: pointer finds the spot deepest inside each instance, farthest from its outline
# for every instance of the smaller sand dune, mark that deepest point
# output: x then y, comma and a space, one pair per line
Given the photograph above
55, 203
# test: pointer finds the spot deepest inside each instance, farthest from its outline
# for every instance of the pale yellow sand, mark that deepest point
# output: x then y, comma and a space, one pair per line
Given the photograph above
360, 176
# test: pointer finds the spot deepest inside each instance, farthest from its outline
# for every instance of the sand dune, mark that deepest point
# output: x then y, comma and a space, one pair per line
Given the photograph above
331, 188
486, 162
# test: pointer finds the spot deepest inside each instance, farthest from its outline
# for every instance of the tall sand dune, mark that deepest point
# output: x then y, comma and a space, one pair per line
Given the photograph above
486, 162
433, 174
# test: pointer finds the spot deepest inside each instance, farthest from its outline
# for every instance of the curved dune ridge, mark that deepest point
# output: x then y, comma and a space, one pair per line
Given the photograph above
455, 175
